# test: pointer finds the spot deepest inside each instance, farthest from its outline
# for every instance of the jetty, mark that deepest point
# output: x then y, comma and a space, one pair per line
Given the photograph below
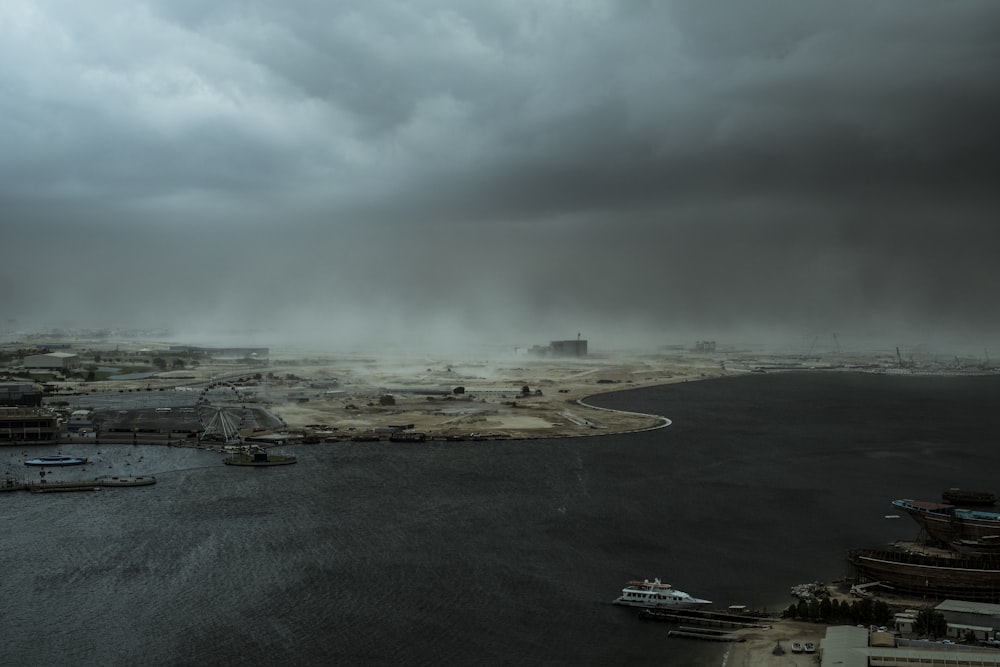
76, 484
707, 635
708, 619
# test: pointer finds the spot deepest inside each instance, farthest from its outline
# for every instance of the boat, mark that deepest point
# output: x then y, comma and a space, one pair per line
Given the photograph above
971, 498
655, 594
933, 576
947, 523
136, 480
57, 460
258, 456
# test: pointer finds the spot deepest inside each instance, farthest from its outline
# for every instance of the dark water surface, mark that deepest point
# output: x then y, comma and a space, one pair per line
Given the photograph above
485, 552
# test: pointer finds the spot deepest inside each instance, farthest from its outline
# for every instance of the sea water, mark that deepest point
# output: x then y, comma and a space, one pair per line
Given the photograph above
496, 552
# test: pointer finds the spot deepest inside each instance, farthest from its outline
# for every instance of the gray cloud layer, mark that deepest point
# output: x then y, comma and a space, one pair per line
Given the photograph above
520, 171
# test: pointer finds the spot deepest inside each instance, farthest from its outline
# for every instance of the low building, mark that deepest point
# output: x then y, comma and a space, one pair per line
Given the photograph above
80, 419
20, 394
569, 348
27, 425
849, 646
904, 621
53, 360
965, 618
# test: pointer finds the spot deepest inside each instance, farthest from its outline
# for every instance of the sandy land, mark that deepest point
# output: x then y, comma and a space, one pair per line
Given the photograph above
492, 402
758, 649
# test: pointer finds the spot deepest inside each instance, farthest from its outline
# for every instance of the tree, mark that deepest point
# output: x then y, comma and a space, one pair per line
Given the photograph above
825, 609
930, 622
159, 362
881, 613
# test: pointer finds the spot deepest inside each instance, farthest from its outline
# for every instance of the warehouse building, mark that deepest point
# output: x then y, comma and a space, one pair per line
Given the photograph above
53, 360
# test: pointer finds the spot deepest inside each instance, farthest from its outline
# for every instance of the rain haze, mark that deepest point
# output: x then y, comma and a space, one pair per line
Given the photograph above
642, 173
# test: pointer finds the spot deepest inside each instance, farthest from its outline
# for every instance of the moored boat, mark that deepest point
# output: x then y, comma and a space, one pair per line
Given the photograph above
56, 460
655, 594
136, 480
947, 523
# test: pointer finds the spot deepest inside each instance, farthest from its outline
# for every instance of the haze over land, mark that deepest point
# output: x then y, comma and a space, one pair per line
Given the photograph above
641, 173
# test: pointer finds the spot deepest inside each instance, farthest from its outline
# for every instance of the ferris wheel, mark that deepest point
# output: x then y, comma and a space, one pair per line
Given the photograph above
224, 426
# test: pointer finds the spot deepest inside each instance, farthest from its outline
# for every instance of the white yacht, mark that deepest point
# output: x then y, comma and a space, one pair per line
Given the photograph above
655, 594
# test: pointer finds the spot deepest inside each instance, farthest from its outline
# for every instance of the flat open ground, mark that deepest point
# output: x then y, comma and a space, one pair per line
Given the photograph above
492, 402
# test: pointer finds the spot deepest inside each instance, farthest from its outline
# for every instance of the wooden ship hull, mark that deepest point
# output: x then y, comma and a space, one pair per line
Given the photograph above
976, 579
947, 523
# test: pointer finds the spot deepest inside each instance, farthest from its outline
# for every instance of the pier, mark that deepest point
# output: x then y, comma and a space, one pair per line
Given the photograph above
77, 484
708, 619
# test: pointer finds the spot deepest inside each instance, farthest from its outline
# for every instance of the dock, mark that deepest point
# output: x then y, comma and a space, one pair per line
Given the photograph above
78, 484
706, 635
708, 619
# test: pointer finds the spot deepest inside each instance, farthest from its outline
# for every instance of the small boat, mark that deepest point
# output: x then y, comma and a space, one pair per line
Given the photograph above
57, 460
655, 594
138, 480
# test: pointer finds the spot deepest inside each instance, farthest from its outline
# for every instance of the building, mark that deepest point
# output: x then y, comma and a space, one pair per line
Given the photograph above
568, 348
53, 360
223, 353
20, 394
849, 646
27, 425
980, 619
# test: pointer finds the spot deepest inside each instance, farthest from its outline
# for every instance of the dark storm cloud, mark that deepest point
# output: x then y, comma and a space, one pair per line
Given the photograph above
638, 171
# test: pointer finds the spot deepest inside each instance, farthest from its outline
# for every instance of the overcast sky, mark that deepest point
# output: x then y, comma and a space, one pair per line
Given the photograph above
516, 171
